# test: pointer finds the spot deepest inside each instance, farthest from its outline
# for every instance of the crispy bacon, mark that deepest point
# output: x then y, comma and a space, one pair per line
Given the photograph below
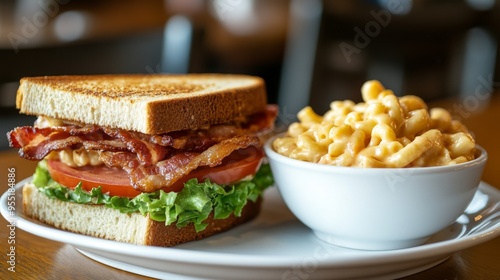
147, 153
35, 143
172, 169
152, 161
149, 178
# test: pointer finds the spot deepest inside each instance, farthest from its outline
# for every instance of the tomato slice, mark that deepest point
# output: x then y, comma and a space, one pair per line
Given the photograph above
115, 181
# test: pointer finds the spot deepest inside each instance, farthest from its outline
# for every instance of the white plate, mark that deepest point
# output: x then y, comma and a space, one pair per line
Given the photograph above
276, 246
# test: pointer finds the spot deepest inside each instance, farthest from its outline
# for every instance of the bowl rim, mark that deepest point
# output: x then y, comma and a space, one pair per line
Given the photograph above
273, 155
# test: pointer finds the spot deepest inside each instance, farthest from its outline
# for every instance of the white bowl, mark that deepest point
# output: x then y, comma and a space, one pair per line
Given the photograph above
375, 208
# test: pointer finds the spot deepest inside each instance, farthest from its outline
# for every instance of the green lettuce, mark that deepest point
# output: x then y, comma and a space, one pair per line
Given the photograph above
192, 204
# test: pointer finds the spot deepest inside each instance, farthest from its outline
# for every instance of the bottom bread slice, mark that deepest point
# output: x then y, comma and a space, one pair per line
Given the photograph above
108, 223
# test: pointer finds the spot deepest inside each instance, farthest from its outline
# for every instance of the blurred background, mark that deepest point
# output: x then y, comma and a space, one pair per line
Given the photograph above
308, 51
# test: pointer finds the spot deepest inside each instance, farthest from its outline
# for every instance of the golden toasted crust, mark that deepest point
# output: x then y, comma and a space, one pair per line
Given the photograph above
150, 104
100, 221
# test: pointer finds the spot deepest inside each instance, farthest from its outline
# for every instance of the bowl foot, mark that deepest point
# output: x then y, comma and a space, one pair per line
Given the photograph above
372, 245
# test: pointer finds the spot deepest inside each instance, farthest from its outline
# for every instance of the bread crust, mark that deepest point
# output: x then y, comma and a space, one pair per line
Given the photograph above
100, 221
150, 104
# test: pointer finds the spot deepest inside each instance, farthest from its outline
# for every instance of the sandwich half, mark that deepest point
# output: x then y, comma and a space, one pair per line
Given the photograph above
145, 159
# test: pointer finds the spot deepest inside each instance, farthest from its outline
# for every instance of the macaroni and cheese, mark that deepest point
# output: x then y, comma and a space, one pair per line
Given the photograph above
383, 131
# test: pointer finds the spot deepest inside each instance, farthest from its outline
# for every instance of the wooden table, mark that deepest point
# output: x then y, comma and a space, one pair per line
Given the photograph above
38, 258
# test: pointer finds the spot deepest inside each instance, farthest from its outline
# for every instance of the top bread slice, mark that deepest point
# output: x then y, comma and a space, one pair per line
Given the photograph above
150, 104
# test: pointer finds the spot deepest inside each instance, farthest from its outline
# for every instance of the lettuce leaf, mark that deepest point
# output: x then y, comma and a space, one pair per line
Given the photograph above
192, 204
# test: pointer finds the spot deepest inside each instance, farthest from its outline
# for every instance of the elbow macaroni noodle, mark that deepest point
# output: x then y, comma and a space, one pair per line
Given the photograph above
382, 131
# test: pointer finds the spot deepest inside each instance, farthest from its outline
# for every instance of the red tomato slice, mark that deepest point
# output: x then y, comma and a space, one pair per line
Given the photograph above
115, 181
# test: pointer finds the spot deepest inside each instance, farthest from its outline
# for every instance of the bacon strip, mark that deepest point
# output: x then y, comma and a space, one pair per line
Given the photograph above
36, 143
149, 178
152, 161
148, 153
213, 156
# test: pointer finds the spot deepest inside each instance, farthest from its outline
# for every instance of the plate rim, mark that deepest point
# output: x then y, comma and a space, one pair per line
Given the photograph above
81, 241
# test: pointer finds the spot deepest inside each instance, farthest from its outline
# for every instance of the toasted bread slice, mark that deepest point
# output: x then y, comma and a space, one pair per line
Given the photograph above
100, 221
150, 104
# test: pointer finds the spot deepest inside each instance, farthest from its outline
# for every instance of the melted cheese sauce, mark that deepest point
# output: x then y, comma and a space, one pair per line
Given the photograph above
43, 121
76, 158
70, 157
